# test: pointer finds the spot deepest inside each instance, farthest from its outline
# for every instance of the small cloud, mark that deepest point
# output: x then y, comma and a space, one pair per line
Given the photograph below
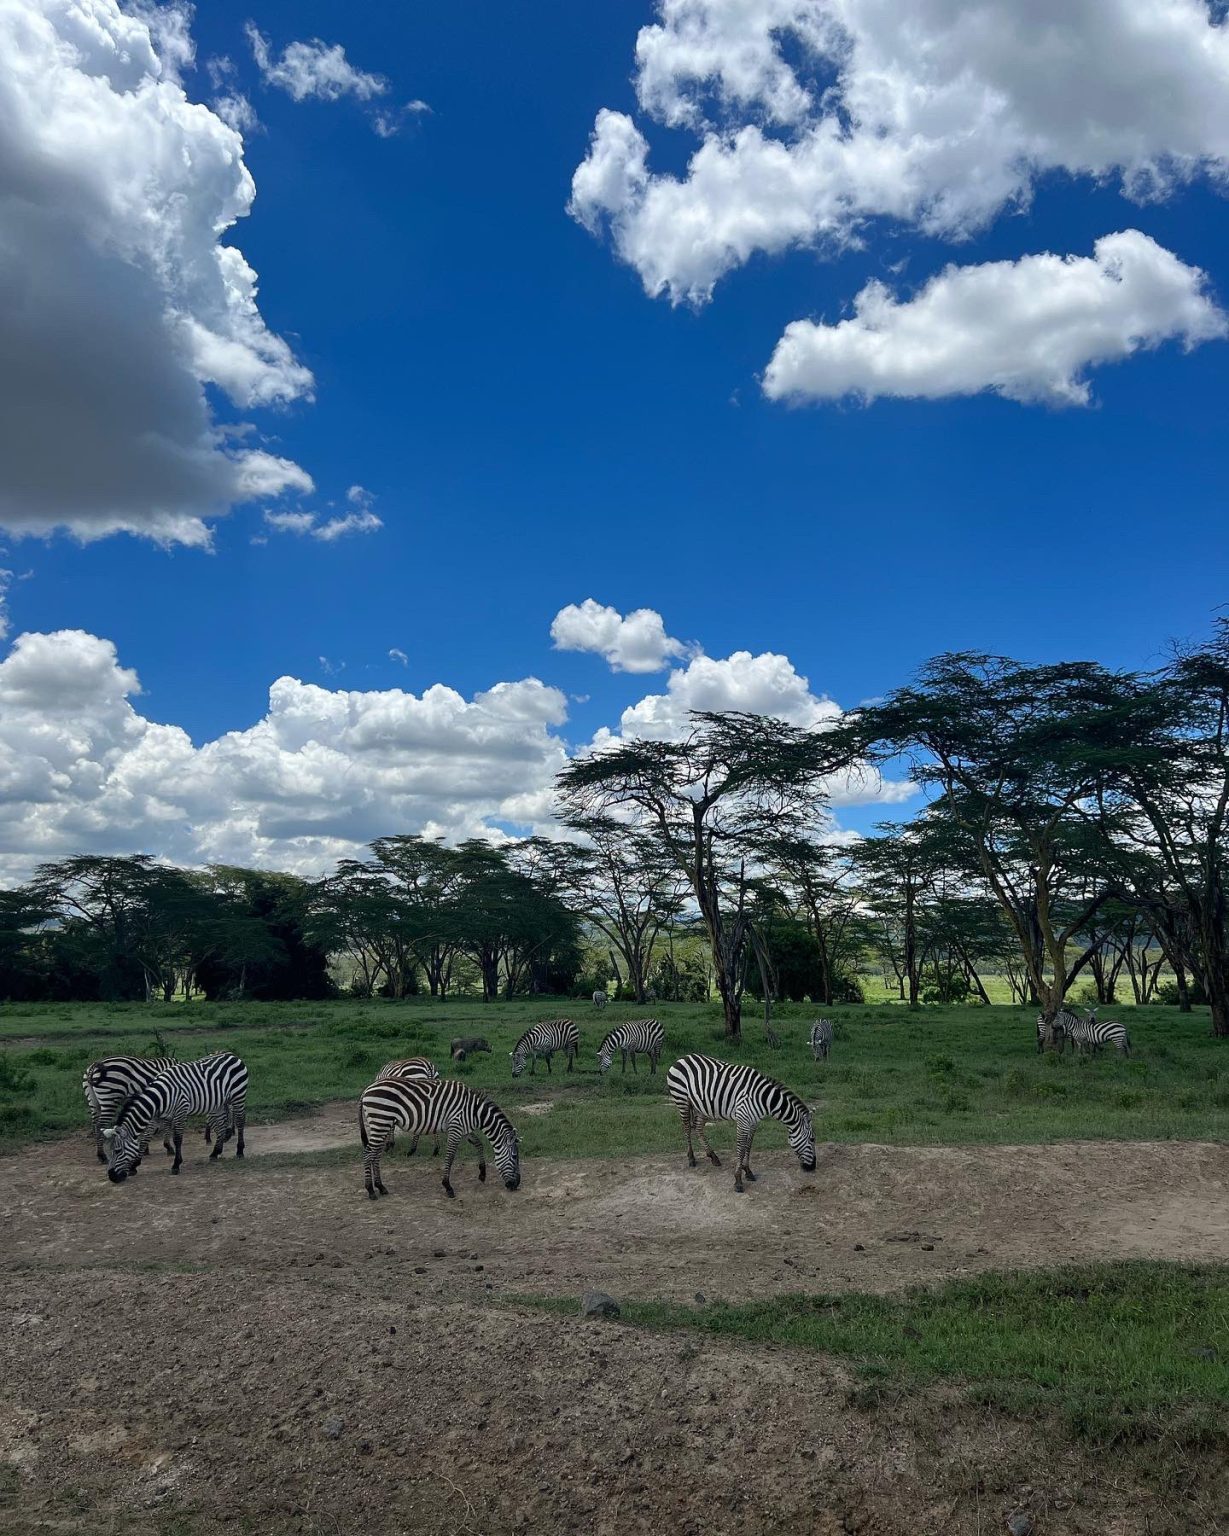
6, 578
332, 668
340, 527
291, 522
388, 124
313, 70
397, 654
637, 643
237, 112
361, 520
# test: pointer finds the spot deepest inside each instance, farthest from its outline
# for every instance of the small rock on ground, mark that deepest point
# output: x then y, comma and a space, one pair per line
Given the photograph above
598, 1304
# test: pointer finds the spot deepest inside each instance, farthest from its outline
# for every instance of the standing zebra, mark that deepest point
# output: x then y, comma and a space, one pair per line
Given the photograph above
544, 1040
639, 1036
821, 1039
704, 1088
1088, 1034
411, 1069
108, 1082
599, 999
215, 1086
416, 1105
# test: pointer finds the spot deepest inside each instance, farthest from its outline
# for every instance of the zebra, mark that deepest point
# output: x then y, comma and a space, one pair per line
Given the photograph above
108, 1082
1090, 1034
215, 1086
639, 1036
704, 1088
631, 1039
821, 1039
544, 1040
416, 1105
411, 1069
600, 999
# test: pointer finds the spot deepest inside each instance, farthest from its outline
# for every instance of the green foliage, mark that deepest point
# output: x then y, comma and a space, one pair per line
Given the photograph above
1120, 1352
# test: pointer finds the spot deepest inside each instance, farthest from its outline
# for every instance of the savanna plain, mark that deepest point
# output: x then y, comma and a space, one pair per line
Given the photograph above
1000, 1302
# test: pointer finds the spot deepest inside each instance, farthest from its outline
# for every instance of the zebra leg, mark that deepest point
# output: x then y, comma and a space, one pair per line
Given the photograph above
746, 1157
177, 1133
240, 1122
208, 1133
476, 1141
371, 1167
571, 1057
623, 1060
742, 1155
653, 1062
217, 1119
435, 1145
691, 1154
96, 1122
712, 1156
454, 1141
634, 1072
413, 1147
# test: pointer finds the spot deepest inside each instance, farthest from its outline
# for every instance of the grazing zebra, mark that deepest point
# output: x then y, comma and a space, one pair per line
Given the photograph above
416, 1105
544, 1040
600, 999
631, 1039
215, 1086
411, 1069
821, 1039
108, 1082
704, 1088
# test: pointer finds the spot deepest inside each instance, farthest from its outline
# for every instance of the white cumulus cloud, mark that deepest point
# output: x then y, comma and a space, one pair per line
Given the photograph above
635, 643
313, 69
815, 117
320, 774
1025, 329
119, 301
360, 519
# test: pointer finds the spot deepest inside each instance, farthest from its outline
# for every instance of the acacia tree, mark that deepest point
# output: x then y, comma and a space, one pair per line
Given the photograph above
712, 802
1016, 752
816, 878
622, 883
1167, 805
896, 871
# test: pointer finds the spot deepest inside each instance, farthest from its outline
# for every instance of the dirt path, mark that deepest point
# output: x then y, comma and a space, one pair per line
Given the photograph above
324, 1362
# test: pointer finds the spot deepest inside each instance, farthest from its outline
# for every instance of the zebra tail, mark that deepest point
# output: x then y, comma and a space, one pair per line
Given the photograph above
362, 1126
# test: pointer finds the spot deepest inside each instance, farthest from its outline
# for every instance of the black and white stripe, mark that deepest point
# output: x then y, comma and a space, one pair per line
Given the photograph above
821, 1039
638, 1037
600, 999
411, 1069
704, 1088
108, 1082
418, 1106
215, 1086
544, 1040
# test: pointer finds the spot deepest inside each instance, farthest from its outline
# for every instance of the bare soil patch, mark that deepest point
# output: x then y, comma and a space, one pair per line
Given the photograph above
258, 1347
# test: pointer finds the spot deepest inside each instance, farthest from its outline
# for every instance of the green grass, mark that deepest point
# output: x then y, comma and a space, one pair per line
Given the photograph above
939, 1076
1122, 1352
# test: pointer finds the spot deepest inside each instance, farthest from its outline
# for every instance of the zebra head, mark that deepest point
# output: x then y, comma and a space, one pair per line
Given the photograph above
800, 1129
505, 1144
605, 1055
519, 1057
123, 1146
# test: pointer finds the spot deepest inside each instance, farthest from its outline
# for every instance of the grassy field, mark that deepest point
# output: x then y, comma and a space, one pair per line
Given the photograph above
1116, 1352
942, 1075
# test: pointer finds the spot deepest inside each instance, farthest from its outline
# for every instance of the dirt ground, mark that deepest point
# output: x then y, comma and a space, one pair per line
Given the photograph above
260, 1348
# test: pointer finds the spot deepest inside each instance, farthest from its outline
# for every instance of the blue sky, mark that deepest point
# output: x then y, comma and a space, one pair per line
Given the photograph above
534, 430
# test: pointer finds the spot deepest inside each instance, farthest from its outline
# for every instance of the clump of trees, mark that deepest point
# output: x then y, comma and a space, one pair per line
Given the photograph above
1075, 827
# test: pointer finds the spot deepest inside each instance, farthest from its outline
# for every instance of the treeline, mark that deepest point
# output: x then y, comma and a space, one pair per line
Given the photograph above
1075, 826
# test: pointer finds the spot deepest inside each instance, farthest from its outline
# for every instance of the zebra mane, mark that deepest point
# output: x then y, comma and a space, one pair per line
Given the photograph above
493, 1118
128, 1106
790, 1099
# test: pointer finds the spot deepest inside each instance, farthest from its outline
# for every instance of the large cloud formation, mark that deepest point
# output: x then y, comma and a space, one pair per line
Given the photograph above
119, 303
325, 770
815, 117
1025, 329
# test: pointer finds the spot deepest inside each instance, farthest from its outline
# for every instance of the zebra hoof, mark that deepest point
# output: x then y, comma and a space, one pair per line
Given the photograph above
750, 1175
371, 1194
238, 1151
102, 1157
739, 1190
482, 1175
691, 1162
450, 1192
714, 1159
174, 1168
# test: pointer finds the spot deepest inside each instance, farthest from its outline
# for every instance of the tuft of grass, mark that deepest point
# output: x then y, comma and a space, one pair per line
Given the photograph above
1117, 1353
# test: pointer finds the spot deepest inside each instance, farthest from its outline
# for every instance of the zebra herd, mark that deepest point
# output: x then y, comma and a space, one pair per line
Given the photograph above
131, 1098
